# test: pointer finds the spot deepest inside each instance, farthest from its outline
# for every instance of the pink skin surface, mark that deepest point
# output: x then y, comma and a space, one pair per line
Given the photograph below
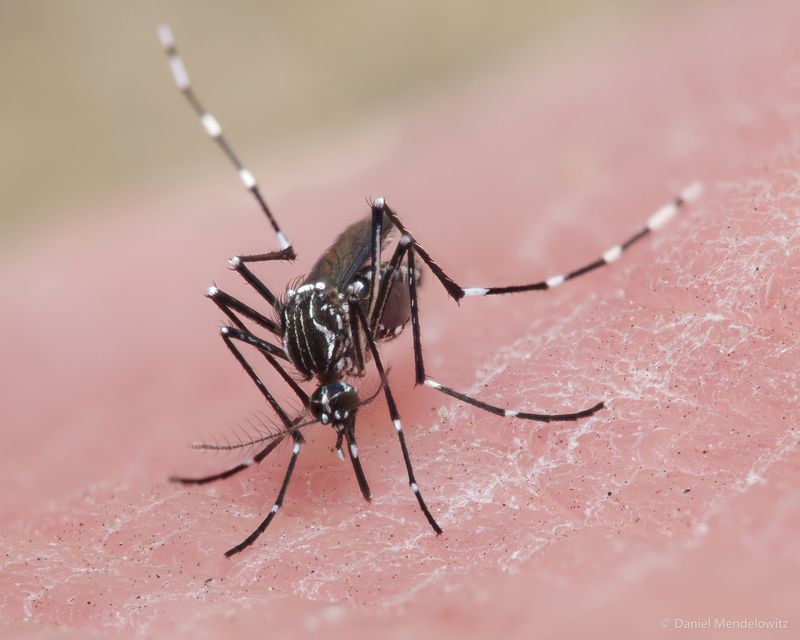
678, 503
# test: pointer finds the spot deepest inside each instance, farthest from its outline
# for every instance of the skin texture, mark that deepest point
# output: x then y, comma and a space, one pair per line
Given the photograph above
677, 503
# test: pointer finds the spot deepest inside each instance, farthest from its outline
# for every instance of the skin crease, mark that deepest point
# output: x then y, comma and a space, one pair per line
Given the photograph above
677, 503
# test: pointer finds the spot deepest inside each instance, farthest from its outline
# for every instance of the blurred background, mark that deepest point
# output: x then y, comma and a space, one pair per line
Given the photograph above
89, 110
117, 212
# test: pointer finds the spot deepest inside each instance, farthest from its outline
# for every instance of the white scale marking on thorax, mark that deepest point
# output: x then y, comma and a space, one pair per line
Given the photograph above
330, 336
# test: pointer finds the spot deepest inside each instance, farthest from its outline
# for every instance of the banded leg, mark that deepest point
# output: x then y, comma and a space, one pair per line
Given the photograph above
214, 130
239, 264
395, 416
386, 281
358, 354
230, 306
229, 334
408, 247
298, 439
339, 451
654, 222
233, 470
511, 413
266, 349
375, 243
352, 447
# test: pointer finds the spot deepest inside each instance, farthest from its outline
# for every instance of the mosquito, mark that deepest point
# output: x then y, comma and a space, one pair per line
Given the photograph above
328, 327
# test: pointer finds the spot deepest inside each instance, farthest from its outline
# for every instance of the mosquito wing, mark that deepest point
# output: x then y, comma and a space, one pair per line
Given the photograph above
341, 261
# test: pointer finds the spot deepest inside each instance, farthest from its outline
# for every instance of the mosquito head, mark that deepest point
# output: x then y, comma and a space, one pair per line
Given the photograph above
333, 402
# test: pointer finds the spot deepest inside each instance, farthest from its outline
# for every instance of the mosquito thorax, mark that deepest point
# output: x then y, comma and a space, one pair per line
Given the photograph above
316, 330
333, 402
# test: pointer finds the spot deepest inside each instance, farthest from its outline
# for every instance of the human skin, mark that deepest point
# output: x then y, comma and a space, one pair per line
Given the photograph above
678, 502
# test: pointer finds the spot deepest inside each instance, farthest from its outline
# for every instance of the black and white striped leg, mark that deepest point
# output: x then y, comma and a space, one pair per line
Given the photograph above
298, 439
512, 413
234, 470
355, 330
395, 416
214, 130
352, 447
229, 334
404, 248
239, 264
453, 289
375, 252
386, 281
284, 418
409, 248
419, 365
339, 451
230, 306
654, 222
267, 350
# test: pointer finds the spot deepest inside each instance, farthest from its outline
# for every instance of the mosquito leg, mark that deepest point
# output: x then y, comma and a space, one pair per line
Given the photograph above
358, 353
453, 289
230, 306
268, 350
339, 452
386, 281
395, 416
239, 264
654, 222
214, 130
229, 334
278, 501
511, 413
234, 470
350, 435
404, 248
375, 252
419, 366
421, 378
